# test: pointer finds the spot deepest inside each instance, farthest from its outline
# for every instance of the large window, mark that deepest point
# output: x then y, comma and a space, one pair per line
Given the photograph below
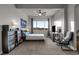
40, 24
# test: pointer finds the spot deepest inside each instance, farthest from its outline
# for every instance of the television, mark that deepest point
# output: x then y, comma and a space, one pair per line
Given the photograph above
23, 23
53, 29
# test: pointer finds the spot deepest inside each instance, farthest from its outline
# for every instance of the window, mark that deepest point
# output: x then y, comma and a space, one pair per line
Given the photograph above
40, 24
34, 24
46, 24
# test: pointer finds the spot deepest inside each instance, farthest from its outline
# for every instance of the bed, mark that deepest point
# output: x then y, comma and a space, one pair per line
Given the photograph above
35, 37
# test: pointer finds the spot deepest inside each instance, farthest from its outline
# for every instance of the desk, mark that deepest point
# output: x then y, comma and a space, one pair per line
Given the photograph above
56, 36
53, 36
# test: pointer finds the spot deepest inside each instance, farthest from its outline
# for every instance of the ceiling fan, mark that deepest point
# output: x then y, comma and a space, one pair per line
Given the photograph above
41, 13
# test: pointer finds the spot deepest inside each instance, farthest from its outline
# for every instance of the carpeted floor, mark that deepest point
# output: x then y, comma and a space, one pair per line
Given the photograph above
46, 47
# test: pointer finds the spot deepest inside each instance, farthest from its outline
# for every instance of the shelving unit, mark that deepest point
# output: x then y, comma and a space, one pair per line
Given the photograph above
8, 38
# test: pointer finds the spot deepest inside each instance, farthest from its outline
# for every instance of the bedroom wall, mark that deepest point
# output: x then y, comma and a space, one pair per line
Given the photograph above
77, 17
51, 23
76, 22
29, 24
8, 15
71, 18
59, 17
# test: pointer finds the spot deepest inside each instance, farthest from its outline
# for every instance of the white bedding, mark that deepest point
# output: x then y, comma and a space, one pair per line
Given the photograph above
35, 37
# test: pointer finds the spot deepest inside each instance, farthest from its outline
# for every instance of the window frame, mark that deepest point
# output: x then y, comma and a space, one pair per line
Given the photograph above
44, 27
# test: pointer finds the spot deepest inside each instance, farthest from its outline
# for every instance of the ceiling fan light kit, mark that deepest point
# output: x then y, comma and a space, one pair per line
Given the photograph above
40, 13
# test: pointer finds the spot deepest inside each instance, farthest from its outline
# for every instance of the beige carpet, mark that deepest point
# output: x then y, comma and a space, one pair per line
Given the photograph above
46, 47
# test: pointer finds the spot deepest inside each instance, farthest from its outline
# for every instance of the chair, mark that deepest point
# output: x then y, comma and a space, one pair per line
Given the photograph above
59, 38
66, 41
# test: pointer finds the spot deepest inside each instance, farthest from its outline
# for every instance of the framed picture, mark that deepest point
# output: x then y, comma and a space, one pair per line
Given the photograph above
23, 23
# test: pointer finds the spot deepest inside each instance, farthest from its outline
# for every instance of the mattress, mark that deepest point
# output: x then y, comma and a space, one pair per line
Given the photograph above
35, 37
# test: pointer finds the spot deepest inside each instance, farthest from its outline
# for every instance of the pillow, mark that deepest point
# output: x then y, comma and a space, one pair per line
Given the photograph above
27, 33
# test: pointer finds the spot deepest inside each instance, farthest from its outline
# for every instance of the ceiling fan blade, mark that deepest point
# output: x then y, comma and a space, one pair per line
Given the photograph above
44, 13
40, 11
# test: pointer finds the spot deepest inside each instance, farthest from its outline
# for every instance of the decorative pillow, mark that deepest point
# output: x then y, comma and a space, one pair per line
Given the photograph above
27, 33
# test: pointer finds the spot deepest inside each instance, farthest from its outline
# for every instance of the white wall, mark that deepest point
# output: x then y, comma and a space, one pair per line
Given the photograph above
22, 15
9, 14
71, 15
51, 23
59, 16
76, 19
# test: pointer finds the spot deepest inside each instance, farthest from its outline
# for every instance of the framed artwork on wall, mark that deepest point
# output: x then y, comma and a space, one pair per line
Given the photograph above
23, 23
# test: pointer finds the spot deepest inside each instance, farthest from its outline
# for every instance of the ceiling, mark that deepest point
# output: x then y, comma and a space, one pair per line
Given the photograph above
33, 12
46, 6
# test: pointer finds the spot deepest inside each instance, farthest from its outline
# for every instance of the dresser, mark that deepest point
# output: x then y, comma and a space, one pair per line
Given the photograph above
18, 37
8, 41
8, 38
